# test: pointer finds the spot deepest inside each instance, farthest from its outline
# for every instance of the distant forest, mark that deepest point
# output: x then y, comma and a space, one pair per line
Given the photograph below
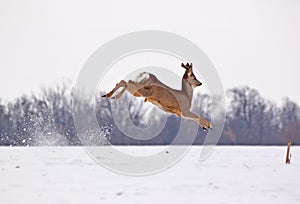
47, 119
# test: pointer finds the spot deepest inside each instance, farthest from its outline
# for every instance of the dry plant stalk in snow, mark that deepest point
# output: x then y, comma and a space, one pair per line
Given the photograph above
288, 155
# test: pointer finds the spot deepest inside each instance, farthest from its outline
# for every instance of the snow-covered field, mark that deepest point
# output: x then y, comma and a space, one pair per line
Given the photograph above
230, 175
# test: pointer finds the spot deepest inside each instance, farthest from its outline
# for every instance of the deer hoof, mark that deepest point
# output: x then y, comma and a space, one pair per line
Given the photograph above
204, 128
104, 96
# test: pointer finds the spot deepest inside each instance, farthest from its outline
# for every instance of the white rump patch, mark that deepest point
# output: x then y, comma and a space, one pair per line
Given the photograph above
143, 76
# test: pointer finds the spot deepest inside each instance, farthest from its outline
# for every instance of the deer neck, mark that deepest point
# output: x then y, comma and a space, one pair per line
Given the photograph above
187, 89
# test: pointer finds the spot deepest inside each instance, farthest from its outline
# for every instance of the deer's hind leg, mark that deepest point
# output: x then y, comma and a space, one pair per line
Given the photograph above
138, 89
122, 83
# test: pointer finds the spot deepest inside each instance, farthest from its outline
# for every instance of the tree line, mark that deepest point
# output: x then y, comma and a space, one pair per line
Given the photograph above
47, 119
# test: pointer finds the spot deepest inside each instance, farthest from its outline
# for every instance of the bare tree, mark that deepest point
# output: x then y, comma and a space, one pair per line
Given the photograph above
246, 115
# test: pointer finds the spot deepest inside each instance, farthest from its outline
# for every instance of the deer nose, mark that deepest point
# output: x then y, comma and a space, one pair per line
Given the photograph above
200, 83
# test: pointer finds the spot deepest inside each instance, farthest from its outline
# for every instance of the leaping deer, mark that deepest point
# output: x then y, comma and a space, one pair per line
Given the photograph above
170, 100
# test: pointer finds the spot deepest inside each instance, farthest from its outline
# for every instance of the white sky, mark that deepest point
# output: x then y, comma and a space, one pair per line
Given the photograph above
253, 43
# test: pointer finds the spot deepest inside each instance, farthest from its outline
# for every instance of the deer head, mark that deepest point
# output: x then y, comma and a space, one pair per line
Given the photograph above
189, 75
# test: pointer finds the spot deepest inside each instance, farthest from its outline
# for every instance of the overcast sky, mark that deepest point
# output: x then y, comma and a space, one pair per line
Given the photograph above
253, 43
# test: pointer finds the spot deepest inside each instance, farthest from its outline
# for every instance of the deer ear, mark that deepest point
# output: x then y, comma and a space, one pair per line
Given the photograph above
191, 65
182, 65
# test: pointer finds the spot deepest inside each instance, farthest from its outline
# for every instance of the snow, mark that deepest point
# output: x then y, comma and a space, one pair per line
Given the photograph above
230, 175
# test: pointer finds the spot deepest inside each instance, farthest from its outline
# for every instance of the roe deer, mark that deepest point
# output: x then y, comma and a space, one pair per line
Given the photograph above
173, 101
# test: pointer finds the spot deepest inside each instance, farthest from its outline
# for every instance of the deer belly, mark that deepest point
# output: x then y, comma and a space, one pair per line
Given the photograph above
165, 106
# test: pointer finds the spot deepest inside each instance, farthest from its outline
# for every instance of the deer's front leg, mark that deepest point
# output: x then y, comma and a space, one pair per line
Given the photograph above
122, 83
207, 123
196, 118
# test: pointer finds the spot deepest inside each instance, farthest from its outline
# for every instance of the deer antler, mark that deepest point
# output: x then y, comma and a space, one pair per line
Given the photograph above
187, 66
